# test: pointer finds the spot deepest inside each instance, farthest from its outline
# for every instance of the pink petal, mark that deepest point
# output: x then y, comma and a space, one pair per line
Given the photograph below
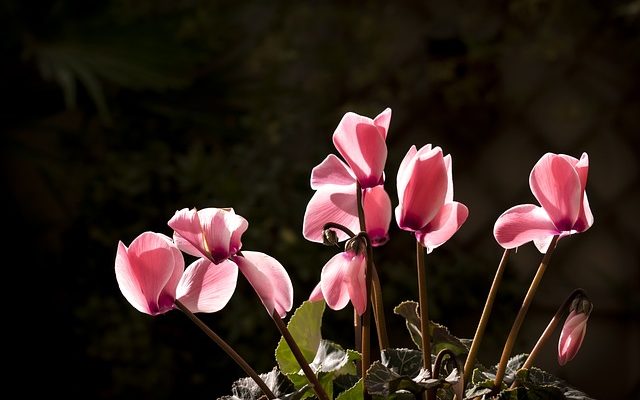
448, 198
188, 232
331, 203
422, 188
356, 285
363, 146
556, 185
269, 279
572, 336
442, 227
521, 224
382, 121
222, 230
207, 287
331, 171
377, 212
585, 218
316, 294
333, 280
148, 272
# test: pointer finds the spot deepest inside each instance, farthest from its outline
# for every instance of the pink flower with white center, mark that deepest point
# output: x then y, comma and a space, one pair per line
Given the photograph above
362, 143
215, 234
343, 280
335, 200
571, 336
151, 276
558, 183
425, 193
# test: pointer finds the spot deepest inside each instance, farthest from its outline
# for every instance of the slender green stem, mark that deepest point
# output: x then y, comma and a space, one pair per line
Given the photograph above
424, 314
486, 312
553, 324
227, 349
313, 379
378, 310
517, 324
366, 318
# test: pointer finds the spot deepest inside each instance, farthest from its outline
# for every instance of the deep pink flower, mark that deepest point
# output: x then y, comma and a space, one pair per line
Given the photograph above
216, 233
343, 279
571, 336
151, 276
558, 182
362, 143
335, 201
425, 193
213, 233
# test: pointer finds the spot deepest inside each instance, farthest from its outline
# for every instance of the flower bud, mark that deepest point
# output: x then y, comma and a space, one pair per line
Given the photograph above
574, 330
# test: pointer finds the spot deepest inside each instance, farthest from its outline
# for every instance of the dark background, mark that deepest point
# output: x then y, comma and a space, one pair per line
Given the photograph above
117, 113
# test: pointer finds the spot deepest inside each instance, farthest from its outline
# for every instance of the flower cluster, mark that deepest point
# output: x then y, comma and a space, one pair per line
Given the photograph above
351, 205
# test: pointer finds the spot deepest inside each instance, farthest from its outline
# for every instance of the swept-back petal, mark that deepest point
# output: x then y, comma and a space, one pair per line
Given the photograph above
316, 294
222, 231
382, 121
405, 169
556, 185
521, 224
331, 171
377, 212
333, 280
128, 281
331, 203
448, 198
269, 279
442, 227
188, 232
356, 285
207, 287
585, 218
362, 145
423, 193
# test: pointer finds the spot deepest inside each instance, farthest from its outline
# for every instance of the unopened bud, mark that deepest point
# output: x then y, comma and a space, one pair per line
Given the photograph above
329, 237
574, 330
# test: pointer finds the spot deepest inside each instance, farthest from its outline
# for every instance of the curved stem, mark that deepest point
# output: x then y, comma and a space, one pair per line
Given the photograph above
486, 312
311, 376
335, 225
553, 324
424, 314
227, 349
515, 328
438, 361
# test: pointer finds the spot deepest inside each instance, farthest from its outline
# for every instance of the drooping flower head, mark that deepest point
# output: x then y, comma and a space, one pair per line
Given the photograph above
425, 193
574, 330
558, 182
151, 276
215, 234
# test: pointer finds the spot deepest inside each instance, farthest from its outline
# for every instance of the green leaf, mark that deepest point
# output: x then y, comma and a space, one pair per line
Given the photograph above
535, 378
480, 388
331, 357
402, 361
353, 393
247, 389
409, 311
513, 365
304, 326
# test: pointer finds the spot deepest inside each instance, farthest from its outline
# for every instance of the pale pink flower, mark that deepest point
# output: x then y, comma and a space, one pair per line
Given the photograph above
151, 276
215, 234
571, 336
558, 183
425, 193
343, 280
362, 143
335, 200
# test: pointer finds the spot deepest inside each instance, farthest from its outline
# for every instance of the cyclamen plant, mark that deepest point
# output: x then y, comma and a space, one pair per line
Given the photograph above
351, 205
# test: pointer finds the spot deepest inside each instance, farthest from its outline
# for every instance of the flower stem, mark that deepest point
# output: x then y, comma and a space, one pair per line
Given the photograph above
378, 310
424, 314
553, 324
313, 379
438, 361
515, 328
366, 318
227, 349
486, 312
335, 225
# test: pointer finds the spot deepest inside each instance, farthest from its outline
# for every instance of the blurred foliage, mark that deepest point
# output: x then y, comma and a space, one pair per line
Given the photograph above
118, 113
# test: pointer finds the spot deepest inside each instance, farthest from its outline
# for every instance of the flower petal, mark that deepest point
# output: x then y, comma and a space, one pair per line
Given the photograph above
128, 281
448, 198
442, 227
316, 294
188, 232
363, 146
377, 212
382, 121
572, 336
269, 279
331, 171
331, 203
521, 224
207, 287
556, 185
356, 285
222, 230
333, 280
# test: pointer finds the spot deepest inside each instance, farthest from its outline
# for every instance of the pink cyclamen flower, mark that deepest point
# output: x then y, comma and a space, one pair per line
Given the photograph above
335, 200
343, 279
215, 233
425, 193
571, 336
151, 276
558, 183
362, 143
